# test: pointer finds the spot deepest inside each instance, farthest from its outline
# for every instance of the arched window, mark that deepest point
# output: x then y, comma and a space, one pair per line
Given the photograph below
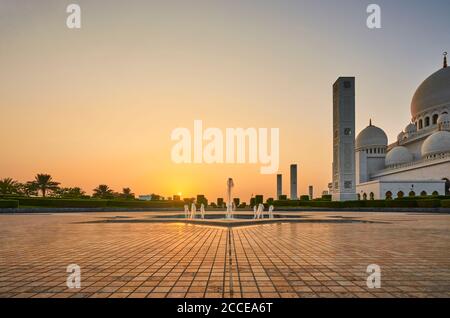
412, 194
427, 121
400, 194
435, 193
435, 118
359, 196
371, 195
447, 186
389, 195
420, 124
423, 193
365, 196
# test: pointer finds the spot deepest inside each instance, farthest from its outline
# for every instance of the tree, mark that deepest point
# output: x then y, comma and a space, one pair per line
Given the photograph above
28, 189
155, 197
9, 186
103, 191
127, 194
45, 183
75, 193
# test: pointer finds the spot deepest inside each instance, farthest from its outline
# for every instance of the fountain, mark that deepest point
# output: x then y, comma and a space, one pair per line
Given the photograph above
186, 211
202, 211
193, 210
230, 215
230, 185
271, 212
260, 211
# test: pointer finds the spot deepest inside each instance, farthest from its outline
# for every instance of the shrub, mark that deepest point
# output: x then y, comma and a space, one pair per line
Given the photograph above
96, 203
62, 203
431, 203
445, 203
326, 197
9, 204
304, 198
144, 204
401, 203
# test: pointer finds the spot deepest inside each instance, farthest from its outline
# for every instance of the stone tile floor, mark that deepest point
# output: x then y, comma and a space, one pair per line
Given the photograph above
185, 260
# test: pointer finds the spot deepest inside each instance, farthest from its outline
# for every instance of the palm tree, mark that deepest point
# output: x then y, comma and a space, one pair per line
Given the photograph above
45, 183
103, 191
9, 186
127, 194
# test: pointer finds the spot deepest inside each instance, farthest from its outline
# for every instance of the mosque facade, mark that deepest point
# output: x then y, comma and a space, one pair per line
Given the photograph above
418, 162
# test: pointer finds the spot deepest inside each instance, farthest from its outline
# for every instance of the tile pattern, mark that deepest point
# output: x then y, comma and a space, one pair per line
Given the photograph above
181, 260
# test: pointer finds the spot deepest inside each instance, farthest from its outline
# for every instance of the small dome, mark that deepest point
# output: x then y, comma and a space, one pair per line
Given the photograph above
398, 155
371, 136
432, 93
443, 122
401, 136
437, 143
411, 128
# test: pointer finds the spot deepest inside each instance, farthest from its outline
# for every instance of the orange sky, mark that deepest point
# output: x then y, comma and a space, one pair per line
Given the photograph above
98, 105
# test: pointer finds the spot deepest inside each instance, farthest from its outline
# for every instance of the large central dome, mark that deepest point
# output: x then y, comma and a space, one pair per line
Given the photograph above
434, 92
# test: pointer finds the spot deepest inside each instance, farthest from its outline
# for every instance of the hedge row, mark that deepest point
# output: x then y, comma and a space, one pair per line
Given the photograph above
93, 203
9, 204
429, 203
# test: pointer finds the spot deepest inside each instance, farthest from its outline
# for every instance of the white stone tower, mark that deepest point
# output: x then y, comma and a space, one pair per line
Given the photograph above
344, 187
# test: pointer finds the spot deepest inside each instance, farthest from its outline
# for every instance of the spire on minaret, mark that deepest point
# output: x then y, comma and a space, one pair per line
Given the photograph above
445, 59
370, 122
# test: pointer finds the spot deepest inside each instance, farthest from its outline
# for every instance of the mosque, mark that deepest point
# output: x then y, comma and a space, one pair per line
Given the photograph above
416, 164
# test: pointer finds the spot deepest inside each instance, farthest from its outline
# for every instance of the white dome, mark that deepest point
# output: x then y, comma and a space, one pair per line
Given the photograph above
398, 155
437, 143
371, 136
432, 93
443, 122
411, 128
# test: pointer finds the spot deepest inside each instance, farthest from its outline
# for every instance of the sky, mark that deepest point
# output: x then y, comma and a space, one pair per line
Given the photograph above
97, 105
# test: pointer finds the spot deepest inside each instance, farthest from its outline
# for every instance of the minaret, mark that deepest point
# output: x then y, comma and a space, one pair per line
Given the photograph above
445, 59
344, 185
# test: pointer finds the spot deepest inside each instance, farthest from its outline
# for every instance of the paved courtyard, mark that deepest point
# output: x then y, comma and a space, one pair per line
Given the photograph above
321, 255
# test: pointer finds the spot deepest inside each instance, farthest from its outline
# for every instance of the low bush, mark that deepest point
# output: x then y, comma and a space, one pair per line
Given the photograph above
445, 203
430, 203
9, 204
95, 203
62, 203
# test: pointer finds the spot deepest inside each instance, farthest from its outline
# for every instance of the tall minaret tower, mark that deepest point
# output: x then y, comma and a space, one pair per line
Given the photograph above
344, 187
